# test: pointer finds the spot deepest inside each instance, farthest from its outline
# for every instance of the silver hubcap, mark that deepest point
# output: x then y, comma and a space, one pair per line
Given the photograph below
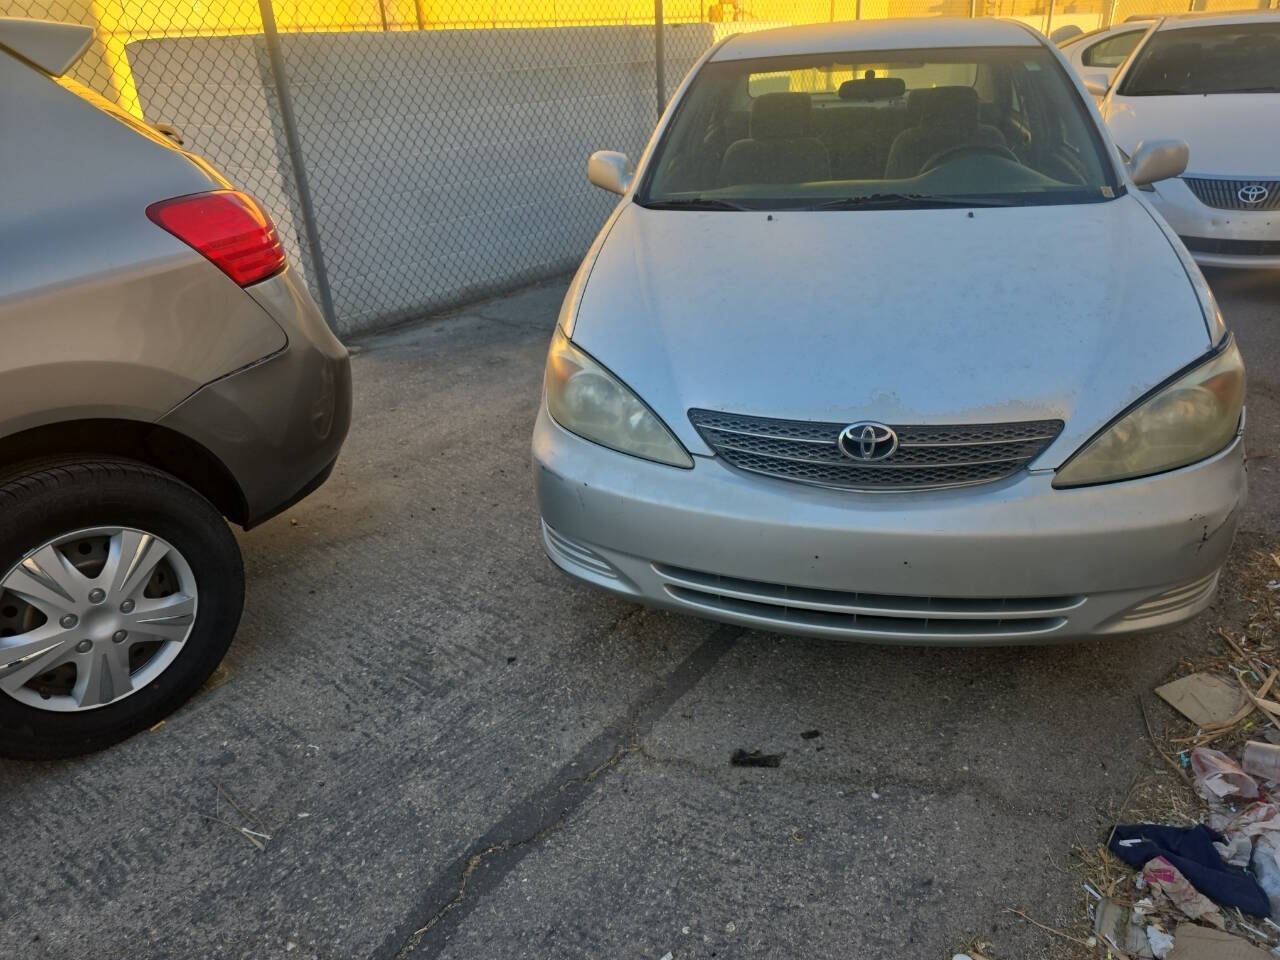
92, 617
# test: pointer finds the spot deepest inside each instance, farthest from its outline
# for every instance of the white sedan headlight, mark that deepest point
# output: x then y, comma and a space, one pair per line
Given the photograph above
588, 400
1190, 419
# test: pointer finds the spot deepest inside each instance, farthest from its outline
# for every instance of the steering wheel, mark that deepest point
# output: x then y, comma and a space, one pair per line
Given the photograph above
952, 153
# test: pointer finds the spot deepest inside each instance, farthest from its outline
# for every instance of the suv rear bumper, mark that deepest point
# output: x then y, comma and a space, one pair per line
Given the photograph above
278, 424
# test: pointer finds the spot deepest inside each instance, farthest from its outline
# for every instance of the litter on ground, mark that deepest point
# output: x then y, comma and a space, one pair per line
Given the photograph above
1193, 942
1187, 866
1203, 698
1191, 855
741, 758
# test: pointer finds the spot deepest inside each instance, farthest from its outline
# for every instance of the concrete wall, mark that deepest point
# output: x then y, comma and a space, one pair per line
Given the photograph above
444, 165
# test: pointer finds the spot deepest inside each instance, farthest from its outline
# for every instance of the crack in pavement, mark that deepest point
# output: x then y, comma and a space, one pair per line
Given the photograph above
473, 864
477, 859
459, 888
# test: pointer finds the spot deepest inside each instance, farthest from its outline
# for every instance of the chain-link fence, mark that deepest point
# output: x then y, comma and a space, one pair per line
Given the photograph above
417, 154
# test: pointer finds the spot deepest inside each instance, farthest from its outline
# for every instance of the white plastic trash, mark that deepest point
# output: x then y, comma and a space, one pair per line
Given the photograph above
1161, 943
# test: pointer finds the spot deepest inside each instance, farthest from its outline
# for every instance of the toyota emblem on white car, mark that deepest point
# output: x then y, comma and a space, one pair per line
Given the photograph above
868, 441
1252, 193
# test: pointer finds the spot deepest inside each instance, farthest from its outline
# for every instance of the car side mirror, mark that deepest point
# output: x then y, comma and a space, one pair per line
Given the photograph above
1158, 160
1096, 83
610, 170
170, 131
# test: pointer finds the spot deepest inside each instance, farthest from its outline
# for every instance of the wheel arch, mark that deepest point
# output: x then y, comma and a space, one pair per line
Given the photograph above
157, 446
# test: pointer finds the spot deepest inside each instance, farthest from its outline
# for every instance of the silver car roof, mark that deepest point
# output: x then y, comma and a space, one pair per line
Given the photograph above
901, 34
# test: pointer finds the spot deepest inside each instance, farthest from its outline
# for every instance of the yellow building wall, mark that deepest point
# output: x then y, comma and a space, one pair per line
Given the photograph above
106, 68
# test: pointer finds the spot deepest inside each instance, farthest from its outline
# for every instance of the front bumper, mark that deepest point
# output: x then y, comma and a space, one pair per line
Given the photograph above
1010, 562
278, 424
1191, 218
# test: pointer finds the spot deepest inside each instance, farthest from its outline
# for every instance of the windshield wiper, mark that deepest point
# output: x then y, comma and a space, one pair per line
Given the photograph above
691, 203
910, 199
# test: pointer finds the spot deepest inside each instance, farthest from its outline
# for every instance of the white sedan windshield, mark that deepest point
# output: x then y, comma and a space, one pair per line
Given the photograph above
888, 128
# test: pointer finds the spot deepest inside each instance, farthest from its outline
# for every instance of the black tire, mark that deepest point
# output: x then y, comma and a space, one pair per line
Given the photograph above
41, 503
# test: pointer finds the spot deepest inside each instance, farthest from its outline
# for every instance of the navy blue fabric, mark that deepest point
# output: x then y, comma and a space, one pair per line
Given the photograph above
1191, 850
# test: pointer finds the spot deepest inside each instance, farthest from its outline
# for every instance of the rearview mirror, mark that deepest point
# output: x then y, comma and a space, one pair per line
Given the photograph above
1158, 160
1096, 83
610, 170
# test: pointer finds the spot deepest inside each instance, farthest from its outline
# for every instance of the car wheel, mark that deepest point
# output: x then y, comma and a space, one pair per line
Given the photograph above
120, 591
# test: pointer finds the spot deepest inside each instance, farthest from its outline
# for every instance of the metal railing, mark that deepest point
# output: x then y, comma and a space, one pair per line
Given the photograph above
419, 154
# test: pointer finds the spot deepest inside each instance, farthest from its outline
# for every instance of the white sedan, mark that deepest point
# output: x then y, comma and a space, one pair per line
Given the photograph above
1213, 81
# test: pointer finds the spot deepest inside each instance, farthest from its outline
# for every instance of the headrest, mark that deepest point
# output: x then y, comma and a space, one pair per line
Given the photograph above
915, 103
873, 88
950, 106
780, 116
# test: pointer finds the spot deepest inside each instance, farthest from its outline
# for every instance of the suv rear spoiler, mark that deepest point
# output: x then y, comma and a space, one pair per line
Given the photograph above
49, 45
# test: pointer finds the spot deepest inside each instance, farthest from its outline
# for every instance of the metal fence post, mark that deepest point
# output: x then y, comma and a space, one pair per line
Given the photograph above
659, 57
295, 158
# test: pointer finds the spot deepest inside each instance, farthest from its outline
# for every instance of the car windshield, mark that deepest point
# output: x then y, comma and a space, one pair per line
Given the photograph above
1238, 58
994, 125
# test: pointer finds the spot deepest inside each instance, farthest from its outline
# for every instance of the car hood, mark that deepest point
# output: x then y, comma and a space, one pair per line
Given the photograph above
1230, 134
901, 316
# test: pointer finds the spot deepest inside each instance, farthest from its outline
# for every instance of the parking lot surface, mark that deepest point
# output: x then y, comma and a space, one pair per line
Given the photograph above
457, 752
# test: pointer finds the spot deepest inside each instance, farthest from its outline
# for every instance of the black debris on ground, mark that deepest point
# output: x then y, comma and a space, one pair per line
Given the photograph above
740, 758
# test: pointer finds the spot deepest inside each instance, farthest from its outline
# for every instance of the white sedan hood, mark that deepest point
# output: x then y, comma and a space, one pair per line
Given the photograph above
1231, 135
901, 316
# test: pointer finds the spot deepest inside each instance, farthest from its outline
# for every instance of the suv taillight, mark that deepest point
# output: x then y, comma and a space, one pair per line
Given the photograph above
228, 228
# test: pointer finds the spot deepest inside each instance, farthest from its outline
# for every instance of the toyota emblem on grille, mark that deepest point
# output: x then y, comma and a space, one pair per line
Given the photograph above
868, 442
1252, 193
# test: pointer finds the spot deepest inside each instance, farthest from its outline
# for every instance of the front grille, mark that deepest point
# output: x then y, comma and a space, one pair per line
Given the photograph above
927, 456
1225, 194
1235, 248
867, 614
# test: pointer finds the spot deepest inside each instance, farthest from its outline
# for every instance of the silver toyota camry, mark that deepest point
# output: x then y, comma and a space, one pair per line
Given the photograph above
882, 342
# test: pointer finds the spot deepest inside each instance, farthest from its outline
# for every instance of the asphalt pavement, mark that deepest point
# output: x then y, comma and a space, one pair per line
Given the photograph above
457, 752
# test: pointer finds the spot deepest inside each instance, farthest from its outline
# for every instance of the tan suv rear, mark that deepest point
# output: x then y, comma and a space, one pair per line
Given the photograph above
163, 369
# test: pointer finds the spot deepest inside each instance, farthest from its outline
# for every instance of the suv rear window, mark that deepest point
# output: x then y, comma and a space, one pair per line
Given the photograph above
1236, 58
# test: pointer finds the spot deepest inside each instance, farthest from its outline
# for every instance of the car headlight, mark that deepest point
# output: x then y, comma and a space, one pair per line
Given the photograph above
1187, 420
588, 400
